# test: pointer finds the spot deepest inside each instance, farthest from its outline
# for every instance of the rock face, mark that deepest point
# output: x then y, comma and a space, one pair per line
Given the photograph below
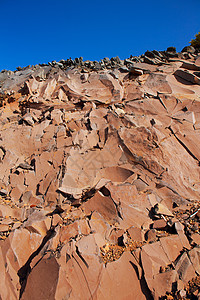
100, 179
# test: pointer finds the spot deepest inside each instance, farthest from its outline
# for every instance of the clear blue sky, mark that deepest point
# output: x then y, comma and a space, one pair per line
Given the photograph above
40, 31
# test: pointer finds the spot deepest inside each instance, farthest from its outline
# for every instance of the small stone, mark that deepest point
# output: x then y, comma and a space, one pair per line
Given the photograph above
182, 294
135, 71
188, 76
149, 60
160, 209
28, 119
136, 234
25, 166
197, 61
188, 49
4, 227
171, 49
160, 224
3, 192
150, 54
150, 235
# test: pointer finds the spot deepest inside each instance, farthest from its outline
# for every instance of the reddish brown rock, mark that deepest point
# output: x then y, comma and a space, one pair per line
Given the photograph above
133, 92
160, 224
172, 246
103, 205
80, 268
187, 76
153, 258
151, 235
194, 256
99, 184
197, 61
164, 283
73, 230
157, 83
180, 230
45, 288
133, 207
136, 234
185, 269
123, 276
116, 236
100, 228
37, 222
196, 238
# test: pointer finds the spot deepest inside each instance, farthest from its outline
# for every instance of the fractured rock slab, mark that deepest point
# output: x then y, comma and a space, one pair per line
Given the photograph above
99, 178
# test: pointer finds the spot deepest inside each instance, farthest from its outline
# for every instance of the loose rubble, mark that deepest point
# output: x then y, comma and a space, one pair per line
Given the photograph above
100, 178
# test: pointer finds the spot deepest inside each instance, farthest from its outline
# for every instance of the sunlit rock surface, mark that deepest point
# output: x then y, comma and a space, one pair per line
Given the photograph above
100, 179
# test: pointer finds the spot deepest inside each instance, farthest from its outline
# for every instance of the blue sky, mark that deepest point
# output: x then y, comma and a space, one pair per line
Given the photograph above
40, 31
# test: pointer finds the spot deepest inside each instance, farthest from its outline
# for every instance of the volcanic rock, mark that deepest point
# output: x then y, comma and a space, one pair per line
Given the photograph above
99, 181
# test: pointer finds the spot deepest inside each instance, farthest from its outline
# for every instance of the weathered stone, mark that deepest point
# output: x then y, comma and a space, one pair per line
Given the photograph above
116, 236
180, 230
99, 178
4, 227
161, 209
151, 235
73, 230
188, 49
197, 61
153, 258
103, 205
38, 223
136, 234
185, 269
194, 256
196, 238
187, 76
172, 246
136, 71
157, 83
160, 224
126, 283
45, 288
149, 60
190, 66
171, 49
164, 283
3, 192
28, 119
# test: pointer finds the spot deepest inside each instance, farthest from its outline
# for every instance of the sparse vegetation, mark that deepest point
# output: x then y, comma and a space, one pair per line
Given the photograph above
196, 42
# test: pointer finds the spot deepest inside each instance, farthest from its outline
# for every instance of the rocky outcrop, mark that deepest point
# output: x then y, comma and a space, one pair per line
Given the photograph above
99, 181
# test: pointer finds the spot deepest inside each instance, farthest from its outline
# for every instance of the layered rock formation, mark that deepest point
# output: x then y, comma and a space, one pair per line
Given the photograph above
100, 187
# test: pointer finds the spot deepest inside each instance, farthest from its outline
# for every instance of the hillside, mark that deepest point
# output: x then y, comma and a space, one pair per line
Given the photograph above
100, 179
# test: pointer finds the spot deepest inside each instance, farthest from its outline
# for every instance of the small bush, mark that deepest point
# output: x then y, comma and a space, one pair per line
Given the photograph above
196, 42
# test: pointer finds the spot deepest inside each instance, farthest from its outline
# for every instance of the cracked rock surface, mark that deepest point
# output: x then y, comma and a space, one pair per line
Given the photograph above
100, 179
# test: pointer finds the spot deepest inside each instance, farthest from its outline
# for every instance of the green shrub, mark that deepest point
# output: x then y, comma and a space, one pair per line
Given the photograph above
196, 42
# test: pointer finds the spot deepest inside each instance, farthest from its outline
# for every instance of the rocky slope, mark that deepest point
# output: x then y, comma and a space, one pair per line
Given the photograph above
100, 179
